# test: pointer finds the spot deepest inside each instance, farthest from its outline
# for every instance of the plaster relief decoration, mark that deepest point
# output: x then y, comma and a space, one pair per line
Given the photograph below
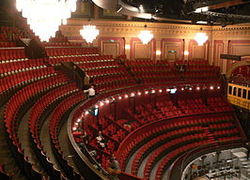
141, 51
238, 47
112, 46
172, 49
197, 52
218, 50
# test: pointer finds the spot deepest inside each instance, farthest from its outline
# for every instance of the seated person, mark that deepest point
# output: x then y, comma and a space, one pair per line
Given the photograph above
100, 140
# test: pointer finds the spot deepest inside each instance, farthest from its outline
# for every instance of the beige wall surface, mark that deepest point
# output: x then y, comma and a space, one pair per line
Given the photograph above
170, 40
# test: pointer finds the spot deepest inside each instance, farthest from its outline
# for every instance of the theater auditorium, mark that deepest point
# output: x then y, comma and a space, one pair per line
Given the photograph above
124, 89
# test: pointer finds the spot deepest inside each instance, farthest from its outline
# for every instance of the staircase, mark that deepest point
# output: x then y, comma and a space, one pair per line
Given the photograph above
210, 136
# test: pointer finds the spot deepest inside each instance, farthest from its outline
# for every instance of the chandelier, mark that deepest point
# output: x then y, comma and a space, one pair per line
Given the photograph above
200, 38
45, 16
89, 33
145, 36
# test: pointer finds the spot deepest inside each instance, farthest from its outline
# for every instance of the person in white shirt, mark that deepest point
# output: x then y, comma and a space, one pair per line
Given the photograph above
90, 91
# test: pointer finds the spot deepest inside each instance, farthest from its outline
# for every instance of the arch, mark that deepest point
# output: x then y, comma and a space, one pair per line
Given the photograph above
236, 65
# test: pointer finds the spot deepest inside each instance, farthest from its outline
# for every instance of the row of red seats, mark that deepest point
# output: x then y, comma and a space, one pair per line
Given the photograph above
14, 80
166, 161
41, 106
12, 33
80, 59
89, 65
149, 68
70, 51
104, 71
13, 106
55, 124
159, 151
182, 122
202, 68
21, 65
60, 43
110, 78
115, 85
6, 44
4, 37
167, 148
144, 63
198, 62
10, 54
200, 75
145, 149
110, 149
175, 154
57, 114
157, 79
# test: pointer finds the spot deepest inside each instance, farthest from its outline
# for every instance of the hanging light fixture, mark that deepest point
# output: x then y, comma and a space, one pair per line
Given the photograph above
45, 16
89, 33
200, 38
145, 36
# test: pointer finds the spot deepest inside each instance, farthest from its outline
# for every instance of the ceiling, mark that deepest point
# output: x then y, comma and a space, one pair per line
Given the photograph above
213, 12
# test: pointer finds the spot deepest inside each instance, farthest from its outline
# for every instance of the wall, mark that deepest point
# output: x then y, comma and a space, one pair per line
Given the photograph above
119, 37
234, 40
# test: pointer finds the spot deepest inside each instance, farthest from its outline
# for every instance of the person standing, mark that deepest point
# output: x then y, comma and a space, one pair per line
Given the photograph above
86, 80
90, 91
